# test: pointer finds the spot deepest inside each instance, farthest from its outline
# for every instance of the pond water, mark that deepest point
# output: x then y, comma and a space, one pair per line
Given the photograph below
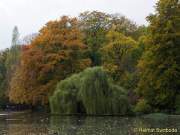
44, 124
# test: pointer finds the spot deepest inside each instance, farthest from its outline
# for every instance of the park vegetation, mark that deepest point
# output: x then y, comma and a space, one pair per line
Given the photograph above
97, 64
89, 92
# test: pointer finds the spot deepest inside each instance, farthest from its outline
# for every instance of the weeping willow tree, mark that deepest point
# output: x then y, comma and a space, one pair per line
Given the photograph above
95, 92
65, 98
119, 103
89, 92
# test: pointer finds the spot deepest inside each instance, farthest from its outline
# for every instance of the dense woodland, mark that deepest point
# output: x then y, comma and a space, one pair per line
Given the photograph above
97, 63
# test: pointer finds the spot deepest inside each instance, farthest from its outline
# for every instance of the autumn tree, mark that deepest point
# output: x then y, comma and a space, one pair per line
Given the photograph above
57, 52
116, 54
160, 65
95, 25
9, 59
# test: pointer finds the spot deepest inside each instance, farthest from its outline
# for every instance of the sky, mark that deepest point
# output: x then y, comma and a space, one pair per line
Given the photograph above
31, 15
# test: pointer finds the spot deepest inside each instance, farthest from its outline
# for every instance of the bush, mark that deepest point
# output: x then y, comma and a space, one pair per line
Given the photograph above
89, 92
142, 106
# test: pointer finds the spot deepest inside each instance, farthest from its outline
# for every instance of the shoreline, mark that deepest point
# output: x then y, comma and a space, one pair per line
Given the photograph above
6, 113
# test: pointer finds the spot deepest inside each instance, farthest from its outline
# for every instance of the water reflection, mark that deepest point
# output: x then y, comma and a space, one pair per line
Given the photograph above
43, 124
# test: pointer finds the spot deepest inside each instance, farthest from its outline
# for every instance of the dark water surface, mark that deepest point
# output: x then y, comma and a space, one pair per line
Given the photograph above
43, 124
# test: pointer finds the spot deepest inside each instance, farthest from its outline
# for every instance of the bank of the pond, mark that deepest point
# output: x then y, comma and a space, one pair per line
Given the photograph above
149, 116
15, 112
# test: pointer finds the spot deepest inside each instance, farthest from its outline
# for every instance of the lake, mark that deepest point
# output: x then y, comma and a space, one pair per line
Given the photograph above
45, 124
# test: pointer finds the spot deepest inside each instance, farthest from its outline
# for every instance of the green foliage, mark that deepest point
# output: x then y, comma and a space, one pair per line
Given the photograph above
3, 56
95, 26
13, 55
89, 92
8, 63
119, 101
142, 107
177, 104
131, 76
12, 58
117, 56
3, 96
65, 97
160, 65
95, 86
141, 59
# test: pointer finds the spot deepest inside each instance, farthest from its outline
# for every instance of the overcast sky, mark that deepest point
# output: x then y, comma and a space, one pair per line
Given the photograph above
31, 15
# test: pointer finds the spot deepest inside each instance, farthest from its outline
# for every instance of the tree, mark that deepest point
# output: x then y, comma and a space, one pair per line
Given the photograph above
95, 26
57, 52
15, 36
14, 53
116, 54
3, 81
160, 65
12, 58
89, 92
126, 26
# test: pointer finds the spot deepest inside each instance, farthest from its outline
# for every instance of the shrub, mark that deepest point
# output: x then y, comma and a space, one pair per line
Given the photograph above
142, 106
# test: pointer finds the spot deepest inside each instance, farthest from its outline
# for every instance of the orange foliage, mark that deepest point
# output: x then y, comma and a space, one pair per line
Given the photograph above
57, 52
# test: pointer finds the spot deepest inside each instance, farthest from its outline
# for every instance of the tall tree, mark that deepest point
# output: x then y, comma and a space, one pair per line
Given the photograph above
57, 52
13, 57
160, 65
15, 36
95, 26
14, 53
3, 81
116, 53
